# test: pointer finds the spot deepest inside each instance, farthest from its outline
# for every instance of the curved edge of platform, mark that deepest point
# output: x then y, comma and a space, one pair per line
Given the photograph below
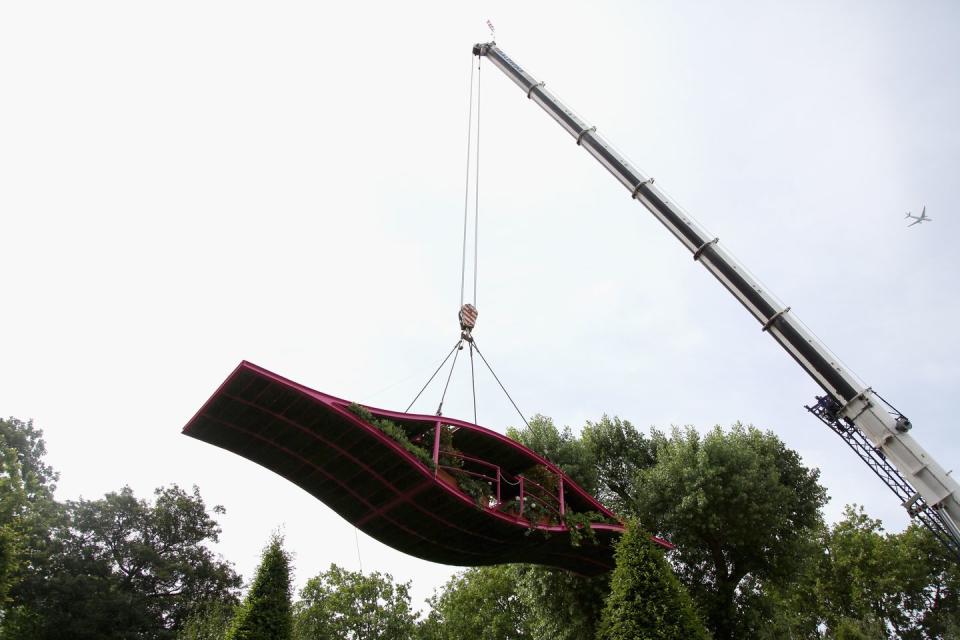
573, 557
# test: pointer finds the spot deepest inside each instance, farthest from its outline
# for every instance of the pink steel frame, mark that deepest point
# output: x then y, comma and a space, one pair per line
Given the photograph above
498, 475
340, 406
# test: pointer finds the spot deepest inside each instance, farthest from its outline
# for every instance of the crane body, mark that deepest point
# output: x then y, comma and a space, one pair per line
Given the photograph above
876, 431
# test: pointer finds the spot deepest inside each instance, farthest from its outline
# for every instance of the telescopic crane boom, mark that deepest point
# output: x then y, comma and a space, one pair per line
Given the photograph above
868, 424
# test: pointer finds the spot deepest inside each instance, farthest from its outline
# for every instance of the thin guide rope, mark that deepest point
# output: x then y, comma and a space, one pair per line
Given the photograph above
473, 385
356, 539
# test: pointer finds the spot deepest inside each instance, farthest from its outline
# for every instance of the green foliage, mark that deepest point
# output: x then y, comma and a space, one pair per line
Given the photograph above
867, 629
739, 505
209, 621
27, 508
646, 600
479, 604
348, 605
560, 605
516, 602
448, 455
266, 612
478, 489
13, 502
618, 452
881, 585
579, 526
120, 567
39, 478
394, 431
561, 448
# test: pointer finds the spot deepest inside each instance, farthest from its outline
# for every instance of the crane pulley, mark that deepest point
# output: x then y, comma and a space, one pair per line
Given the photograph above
876, 431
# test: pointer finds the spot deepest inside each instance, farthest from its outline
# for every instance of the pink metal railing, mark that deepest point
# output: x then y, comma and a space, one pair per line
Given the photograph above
498, 476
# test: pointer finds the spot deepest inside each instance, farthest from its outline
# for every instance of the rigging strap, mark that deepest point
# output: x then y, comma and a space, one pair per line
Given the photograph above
474, 344
424, 388
449, 375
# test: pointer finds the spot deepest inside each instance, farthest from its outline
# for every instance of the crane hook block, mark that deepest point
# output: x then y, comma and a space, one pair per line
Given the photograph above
468, 320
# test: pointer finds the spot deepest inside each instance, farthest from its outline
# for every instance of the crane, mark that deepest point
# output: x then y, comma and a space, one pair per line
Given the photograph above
876, 431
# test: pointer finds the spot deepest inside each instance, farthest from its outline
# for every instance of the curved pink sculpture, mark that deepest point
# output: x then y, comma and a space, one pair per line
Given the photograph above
454, 493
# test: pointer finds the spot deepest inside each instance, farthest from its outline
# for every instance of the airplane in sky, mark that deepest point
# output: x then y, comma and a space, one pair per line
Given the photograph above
918, 219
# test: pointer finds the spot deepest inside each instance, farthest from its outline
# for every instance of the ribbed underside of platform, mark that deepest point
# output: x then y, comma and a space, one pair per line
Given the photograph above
314, 441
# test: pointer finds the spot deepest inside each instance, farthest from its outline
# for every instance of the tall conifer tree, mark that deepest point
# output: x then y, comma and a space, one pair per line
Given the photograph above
646, 600
266, 613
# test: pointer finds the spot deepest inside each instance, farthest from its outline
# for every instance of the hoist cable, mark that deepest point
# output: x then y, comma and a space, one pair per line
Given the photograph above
476, 192
449, 375
480, 353
466, 189
407, 410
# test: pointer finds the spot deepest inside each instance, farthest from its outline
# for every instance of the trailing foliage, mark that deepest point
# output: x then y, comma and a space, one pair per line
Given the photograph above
266, 613
394, 431
579, 527
646, 600
478, 489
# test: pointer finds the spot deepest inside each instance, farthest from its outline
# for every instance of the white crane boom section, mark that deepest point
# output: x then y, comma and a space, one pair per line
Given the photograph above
850, 407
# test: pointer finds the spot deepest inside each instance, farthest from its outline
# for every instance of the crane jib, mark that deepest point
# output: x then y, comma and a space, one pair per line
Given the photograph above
884, 443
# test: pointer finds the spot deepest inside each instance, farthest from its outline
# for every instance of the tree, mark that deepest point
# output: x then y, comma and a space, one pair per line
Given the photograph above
882, 585
350, 605
646, 600
480, 603
13, 501
120, 567
28, 512
266, 613
561, 605
40, 479
209, 621
619, 452
739, 506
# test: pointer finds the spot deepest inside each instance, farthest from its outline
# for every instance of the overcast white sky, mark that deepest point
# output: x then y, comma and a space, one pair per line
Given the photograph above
187, 184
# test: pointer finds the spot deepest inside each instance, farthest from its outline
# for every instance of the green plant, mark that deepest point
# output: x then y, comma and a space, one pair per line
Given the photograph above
579, 527
544, 477
267, 611
646, 599
475, 487
394, 431
449, 455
